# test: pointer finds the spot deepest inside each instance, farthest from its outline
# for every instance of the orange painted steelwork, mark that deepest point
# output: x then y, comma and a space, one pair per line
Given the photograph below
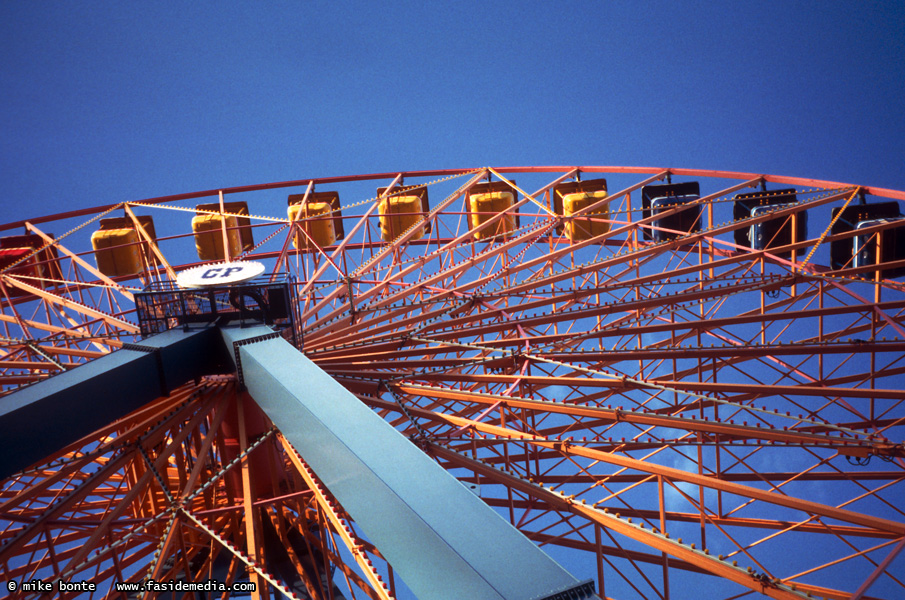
691, 414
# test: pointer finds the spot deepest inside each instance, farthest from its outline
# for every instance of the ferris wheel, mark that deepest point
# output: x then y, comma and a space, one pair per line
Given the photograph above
648, 383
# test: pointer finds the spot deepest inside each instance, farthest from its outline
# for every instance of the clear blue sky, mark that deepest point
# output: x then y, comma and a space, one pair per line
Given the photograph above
110, 101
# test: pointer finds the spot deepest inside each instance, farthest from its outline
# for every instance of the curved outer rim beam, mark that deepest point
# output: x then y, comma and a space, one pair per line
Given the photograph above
873, 191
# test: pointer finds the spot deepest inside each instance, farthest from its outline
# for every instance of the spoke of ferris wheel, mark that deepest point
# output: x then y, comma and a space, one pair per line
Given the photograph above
524, 288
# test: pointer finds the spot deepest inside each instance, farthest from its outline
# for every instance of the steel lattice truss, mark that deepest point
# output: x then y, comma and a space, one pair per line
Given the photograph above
680, 418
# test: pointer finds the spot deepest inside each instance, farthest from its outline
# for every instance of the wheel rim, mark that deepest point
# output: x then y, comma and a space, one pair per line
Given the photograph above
600, 393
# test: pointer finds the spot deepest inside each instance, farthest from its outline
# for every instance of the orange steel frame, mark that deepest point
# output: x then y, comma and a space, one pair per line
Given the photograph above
663, 416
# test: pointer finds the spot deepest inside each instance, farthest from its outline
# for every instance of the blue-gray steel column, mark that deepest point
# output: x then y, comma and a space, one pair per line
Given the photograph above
443, 541
44, 417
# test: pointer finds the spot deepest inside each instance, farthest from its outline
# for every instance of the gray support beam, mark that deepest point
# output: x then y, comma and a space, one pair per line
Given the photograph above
443, 541
42, 418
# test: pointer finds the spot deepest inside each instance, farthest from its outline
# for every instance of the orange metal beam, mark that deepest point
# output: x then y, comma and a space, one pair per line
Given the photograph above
632, 555
402, 273
71, 304
80, 261
438, 277
337, 253
672, 516
710, 173
158, 466
658, 541
679, 386
151, 243
337, 517
278, 525
58, 330
627, 416
673, 474
252, 526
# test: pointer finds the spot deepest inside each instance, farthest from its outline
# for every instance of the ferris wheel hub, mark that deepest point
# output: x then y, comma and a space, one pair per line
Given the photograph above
219, 274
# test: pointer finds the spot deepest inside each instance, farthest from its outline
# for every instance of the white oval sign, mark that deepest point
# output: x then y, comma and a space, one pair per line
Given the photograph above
219, 274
